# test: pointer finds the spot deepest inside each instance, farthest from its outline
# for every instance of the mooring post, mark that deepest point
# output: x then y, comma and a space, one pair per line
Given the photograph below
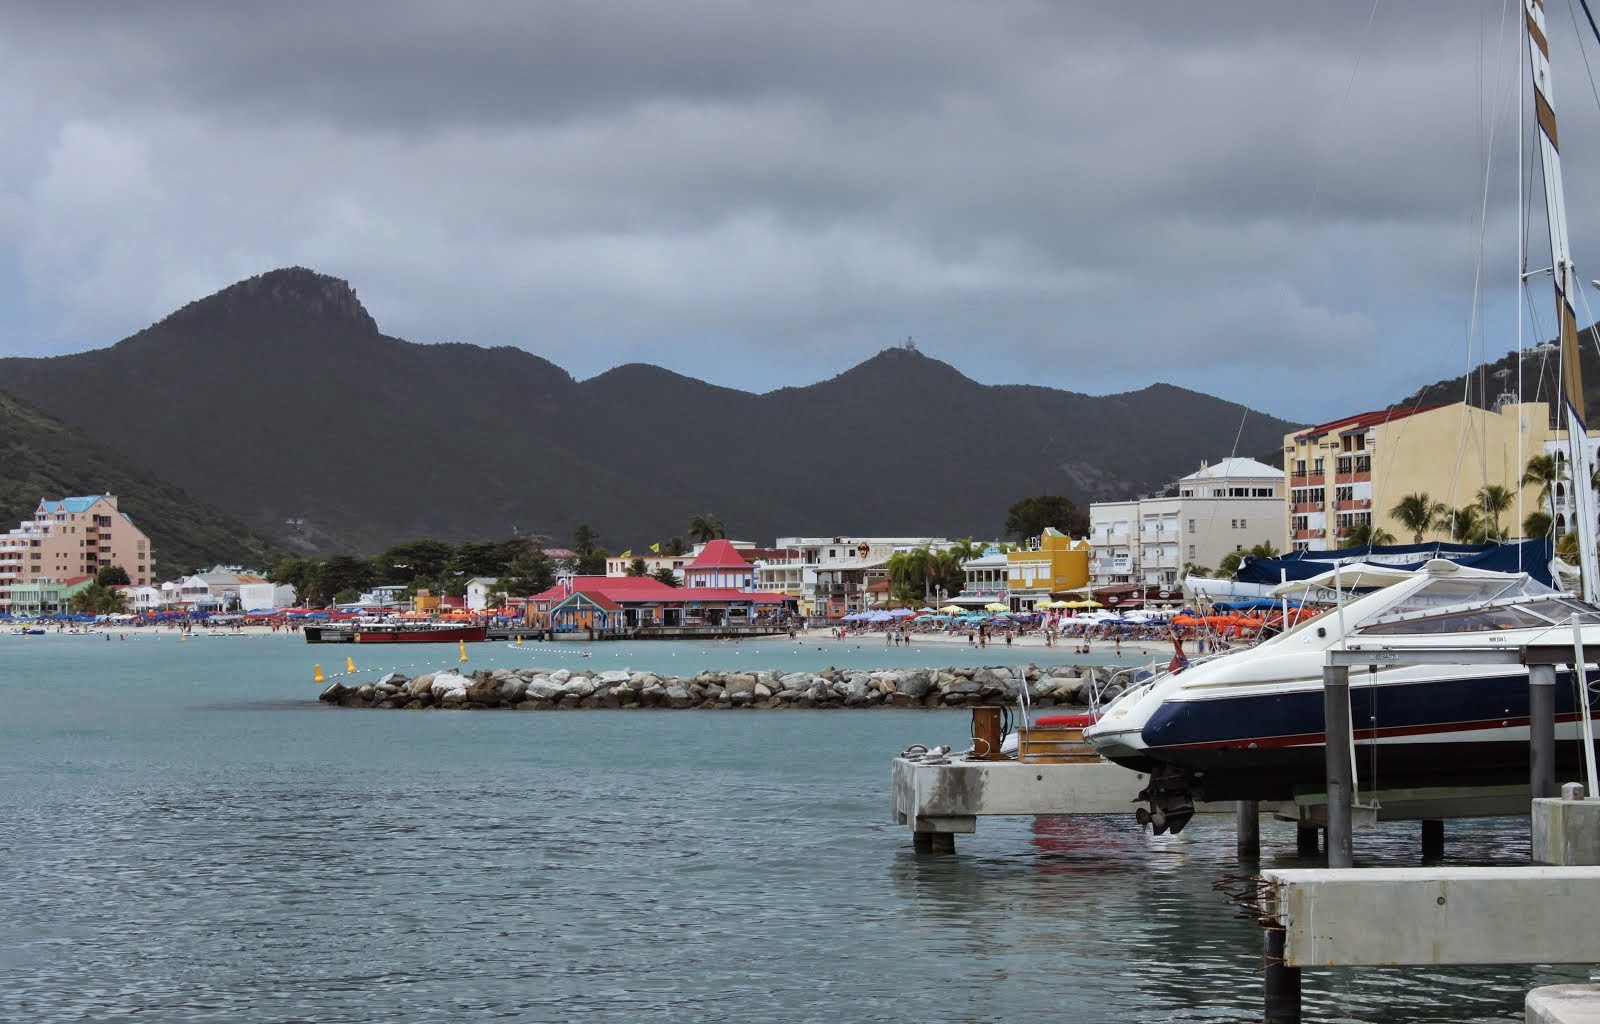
1247, 825
922, 842
943, 842
1307, 840
1280, 982
1336, 745
1432, 839
1542, 729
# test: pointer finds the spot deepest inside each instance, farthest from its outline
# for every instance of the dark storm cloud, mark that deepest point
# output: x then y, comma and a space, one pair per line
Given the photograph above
1228, 196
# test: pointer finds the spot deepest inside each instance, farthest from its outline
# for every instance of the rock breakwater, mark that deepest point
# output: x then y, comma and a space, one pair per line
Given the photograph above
532, 689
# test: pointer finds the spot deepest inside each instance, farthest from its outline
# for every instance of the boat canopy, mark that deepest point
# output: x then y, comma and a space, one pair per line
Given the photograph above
1470, 602
1351, 576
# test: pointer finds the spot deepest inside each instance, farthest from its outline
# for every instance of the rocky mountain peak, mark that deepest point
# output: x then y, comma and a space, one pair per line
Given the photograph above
290, 289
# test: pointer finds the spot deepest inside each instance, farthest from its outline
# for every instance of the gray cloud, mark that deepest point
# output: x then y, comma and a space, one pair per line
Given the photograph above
1086, 195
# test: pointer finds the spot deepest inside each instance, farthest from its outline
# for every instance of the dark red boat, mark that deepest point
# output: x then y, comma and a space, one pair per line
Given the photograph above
413, 634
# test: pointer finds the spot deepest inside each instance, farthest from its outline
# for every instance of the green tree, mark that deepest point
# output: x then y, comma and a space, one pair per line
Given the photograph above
664, 574
638, 567
1544, 472
532, 573
706, 527
349, 595
112, 576
1419, 513
675, 546
1496, 500
594, 563
402, 563
1466, 524
1232, 560
1030, 516
1195, 569
1365, 535
1536, 524
585, 539
97, 600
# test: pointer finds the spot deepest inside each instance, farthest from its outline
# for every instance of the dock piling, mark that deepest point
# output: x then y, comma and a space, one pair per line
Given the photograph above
1337, 747
1432, 839
1280, 982
1542, 729
1307, 840
1247, 826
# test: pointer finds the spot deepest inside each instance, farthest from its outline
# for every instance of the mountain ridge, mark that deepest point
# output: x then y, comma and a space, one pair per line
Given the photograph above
279, 399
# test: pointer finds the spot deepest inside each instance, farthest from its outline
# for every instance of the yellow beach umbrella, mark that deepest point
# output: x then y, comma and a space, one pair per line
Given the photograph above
952, 609
996, 606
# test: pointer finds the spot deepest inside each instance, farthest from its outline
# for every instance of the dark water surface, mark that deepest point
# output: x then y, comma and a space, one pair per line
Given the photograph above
189, 836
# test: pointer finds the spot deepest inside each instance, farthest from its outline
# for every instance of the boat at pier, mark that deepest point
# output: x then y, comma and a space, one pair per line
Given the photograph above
396, 633
1249, 725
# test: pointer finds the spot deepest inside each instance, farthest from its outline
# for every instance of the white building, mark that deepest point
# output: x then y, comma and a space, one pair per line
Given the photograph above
266, 595
1231, 506
986, 580
478, 590
829, 576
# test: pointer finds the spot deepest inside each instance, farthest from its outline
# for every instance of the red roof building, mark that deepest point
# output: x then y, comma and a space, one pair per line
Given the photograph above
719, 564
632, 602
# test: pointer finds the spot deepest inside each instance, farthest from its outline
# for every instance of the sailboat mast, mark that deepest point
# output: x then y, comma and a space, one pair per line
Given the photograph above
1565, 278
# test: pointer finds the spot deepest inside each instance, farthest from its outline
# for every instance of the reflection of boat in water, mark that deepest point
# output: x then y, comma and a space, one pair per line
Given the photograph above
1249, 725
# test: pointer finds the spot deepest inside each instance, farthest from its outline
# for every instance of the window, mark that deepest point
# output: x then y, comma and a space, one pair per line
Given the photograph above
1316, 464
1191, 526
1242, 525
1191, 550
1300, 467
1233, 524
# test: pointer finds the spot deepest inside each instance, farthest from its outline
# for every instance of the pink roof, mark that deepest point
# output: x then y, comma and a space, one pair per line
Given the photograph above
719, 554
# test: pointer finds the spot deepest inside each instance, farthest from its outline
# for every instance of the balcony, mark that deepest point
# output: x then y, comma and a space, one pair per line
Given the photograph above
1308, 506
1307, 480
1359, 477
1354, 505
1306, 534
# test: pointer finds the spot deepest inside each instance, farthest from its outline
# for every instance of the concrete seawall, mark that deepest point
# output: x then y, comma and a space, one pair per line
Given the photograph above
534, 689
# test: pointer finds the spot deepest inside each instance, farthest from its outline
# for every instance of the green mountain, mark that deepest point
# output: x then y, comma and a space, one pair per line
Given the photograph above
41, 457
279, 400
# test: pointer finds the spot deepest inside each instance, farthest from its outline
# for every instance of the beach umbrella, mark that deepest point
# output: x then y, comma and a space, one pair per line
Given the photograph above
901, 613
926, 611
995, 606
952, 609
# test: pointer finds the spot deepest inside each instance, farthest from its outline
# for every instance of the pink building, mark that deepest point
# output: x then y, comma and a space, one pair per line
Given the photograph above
70, 537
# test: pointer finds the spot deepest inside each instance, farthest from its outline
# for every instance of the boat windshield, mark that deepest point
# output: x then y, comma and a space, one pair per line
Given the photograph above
1477, 605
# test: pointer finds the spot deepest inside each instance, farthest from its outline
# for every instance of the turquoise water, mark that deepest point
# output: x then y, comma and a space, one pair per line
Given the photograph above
192, 837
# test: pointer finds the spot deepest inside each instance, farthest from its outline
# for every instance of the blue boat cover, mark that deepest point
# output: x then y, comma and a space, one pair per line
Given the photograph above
1529, 556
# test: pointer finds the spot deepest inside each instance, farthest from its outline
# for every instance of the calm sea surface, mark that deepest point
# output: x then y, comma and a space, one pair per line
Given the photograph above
190, 836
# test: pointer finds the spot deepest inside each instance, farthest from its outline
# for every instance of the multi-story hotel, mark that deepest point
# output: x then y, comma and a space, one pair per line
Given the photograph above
1353, 471
1230, 506
70, 537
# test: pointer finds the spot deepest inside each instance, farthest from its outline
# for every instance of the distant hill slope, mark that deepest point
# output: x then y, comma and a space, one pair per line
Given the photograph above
41, 457
278, 399
1541, 368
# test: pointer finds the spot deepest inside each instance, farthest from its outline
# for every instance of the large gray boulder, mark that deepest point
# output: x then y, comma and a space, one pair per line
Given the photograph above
577, 686
395, 679
513, 690
740, 683
612, 678
915, 685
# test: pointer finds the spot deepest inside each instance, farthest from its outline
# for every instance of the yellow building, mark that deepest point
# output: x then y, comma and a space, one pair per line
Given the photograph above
1052, 563
1354, 470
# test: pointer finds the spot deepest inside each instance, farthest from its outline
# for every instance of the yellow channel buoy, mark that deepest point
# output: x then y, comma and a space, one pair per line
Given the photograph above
350, 665
316, 674
463, 645
519, 641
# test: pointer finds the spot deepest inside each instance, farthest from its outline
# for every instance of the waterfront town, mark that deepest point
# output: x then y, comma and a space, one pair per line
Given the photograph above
1343, 483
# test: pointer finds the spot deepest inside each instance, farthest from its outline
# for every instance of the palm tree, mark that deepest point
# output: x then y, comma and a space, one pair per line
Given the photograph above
1365, 535
1233, 559
1496, 500
584, 540
706, 527
1419, 513
1544, 472
1466, 524
638, 567
1536, 524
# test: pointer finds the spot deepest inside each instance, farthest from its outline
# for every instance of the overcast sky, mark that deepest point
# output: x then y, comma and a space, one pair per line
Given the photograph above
1276, 203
